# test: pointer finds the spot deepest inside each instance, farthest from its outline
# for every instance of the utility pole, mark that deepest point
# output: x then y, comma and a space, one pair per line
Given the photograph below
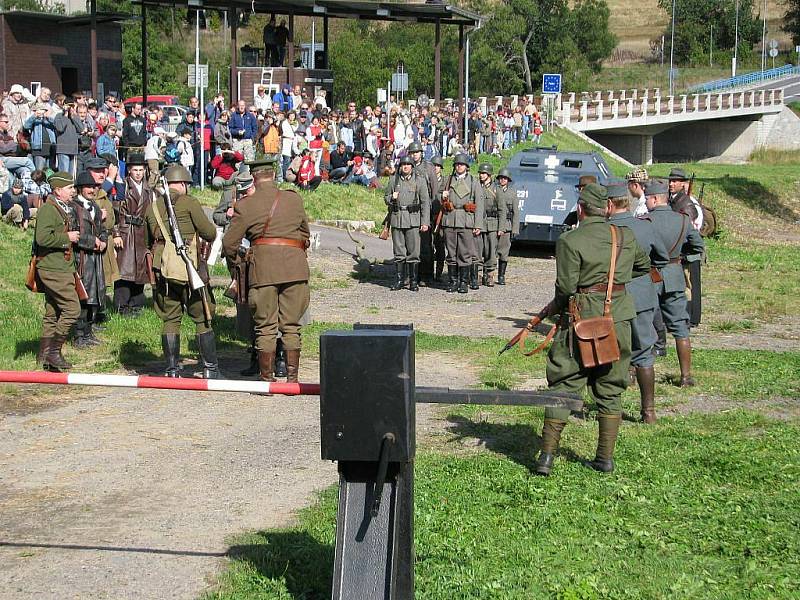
764, 40
671, 54
735, 43
711, 48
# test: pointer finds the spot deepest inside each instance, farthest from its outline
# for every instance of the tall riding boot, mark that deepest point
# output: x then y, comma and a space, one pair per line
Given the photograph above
413, 277
292, 365
488, 278
463, 279
646, 376
171, 347
501, 272
266, 360
252, 369
684, 349
400, 276
44, 349
606, 440
280, 359
55, 360
439, 269
473, 276
207, 344
452, 278
551, 436
660, 347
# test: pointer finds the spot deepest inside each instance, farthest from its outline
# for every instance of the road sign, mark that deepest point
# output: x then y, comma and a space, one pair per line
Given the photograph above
773, 43
797, 49
551, 83
190, 72
400, 82
773, 52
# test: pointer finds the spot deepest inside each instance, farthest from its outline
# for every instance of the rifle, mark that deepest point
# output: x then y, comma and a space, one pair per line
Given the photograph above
438, 222
519, 338
195, 281
691, 185
385, 225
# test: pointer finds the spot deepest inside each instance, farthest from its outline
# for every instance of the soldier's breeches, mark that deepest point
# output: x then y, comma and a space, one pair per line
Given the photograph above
405, 244
244, 322
278, 308
673, 310
566, 374
489, 250
460, 246
169, 301
643, 337
504, 247
61, 305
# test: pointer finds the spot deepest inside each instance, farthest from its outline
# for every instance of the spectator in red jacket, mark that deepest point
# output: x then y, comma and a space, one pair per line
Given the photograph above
225, 165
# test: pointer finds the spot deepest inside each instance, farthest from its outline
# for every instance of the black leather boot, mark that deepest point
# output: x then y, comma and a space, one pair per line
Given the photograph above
501, 272
280, 359
413, 277
606, 440
452, 278
551, 436
400, 276
171, 347
207, 343
473, 276
252, 369
463, 279
439, 269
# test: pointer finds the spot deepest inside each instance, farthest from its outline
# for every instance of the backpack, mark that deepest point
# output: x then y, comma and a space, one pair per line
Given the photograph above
172, 153
709, 227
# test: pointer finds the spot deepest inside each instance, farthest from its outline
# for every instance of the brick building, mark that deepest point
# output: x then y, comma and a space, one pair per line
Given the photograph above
55, 51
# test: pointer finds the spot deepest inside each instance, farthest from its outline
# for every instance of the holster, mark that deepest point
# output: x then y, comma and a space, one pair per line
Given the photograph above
148, 259
655, 275
31, 278
80, 289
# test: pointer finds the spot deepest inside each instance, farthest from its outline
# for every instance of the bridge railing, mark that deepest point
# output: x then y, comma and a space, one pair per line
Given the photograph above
747, 79
583, 111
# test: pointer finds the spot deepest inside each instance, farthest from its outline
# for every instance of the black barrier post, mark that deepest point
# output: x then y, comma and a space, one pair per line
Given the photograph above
367, 424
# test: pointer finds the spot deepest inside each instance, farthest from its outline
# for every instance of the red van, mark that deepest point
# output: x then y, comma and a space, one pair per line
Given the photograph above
152, 99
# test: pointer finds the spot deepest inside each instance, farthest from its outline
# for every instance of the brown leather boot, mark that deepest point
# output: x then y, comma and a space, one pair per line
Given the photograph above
55, 359
266, 364
551, 436
292, 365
646, 376
44, 348
606, 440
684, 348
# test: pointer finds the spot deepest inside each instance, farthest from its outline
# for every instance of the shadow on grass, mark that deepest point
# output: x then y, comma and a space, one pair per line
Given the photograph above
518, 441
294, 557
24, 347
756, 196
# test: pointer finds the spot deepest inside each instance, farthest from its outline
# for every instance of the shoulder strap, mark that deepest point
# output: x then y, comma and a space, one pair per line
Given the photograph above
684, 219
160, 221
271, 213
616, 246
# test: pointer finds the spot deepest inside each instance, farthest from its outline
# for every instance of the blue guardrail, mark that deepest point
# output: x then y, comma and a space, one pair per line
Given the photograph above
746, 79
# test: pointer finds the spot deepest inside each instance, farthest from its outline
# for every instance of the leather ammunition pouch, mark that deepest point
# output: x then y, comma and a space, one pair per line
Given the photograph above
655, 275
470, 207
413, 208
492, 213
32, 278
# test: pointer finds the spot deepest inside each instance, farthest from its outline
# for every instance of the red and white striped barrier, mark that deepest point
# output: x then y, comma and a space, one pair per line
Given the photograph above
162, 383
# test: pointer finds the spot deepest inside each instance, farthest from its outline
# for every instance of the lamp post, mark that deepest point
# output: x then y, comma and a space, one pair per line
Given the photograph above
671, 54
735, 42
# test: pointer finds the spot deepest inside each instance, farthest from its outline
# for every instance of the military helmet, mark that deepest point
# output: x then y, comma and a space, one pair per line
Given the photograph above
486, 168
414, 147
406, 160
437, 160
505, 173
177, 173
461, 159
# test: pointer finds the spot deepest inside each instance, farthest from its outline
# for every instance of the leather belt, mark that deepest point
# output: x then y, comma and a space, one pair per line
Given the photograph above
675, 261
600, 288
493, 214
276, 241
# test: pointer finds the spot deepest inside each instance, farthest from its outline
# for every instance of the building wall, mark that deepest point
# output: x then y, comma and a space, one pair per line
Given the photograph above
37, 49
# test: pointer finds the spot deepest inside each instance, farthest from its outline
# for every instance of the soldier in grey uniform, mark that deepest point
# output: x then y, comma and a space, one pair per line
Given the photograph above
509, 225
677, 235
409, 202
494, 214
643, 291
462, 203
426, 170
439, 251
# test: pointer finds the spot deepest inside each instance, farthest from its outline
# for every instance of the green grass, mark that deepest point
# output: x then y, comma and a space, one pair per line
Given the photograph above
700, 507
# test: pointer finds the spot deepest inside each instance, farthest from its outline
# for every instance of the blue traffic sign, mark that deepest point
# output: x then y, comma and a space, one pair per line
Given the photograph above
551, 83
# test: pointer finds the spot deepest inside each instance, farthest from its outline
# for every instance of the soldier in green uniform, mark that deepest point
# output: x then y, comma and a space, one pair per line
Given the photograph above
172, 293
509, 225
426, 170
676, 233
56, 231
643, 291
439, 251
409, 202
493, 213
583, 257
275, 223
462, 221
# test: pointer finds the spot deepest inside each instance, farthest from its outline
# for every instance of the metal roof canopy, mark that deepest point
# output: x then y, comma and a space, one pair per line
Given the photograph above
341, 9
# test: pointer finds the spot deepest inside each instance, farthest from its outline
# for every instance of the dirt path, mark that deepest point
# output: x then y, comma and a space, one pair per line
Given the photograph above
135, 493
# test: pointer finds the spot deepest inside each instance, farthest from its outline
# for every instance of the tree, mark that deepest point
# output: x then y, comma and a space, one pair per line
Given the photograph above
791, 20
